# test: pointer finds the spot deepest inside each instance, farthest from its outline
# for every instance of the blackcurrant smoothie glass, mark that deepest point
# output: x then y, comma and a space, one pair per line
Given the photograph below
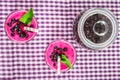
14, 27
57, 48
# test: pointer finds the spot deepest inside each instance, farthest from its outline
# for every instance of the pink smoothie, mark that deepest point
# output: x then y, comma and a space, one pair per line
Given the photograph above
70, 53
17, 15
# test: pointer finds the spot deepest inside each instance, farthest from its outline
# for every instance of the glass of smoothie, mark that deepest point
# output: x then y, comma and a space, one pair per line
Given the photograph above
62, 49
14, 26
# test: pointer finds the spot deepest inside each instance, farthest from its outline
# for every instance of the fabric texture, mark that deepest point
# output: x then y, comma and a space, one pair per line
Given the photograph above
55, 21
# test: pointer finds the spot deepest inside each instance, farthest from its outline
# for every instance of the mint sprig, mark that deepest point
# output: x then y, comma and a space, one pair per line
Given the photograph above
27, 18
66, 61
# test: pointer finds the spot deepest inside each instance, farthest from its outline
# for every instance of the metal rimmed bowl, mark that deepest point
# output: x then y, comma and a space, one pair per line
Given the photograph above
97, 28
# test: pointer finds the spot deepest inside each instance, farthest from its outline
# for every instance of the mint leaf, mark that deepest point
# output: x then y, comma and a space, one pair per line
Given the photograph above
66, 61
27, 18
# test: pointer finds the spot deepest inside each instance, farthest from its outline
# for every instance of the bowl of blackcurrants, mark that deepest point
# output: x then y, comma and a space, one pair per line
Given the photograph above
97, 28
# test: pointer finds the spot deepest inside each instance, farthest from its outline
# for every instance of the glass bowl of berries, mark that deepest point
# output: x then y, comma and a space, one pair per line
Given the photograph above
16, 23
62, 49
97, 28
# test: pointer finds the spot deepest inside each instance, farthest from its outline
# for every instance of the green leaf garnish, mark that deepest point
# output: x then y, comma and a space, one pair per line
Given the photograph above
27, 18
66, 61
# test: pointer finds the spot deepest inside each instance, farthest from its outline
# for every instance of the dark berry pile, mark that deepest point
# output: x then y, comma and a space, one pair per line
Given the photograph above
88, 28
17, 28
57, 52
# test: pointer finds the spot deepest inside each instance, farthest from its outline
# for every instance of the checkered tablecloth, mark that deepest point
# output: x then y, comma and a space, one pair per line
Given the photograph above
55, 21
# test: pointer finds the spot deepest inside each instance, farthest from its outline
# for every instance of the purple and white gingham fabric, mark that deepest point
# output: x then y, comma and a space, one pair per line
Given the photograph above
55, 21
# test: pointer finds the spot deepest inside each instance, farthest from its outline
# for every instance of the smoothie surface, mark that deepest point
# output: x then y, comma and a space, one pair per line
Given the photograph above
17, 15
70, 53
